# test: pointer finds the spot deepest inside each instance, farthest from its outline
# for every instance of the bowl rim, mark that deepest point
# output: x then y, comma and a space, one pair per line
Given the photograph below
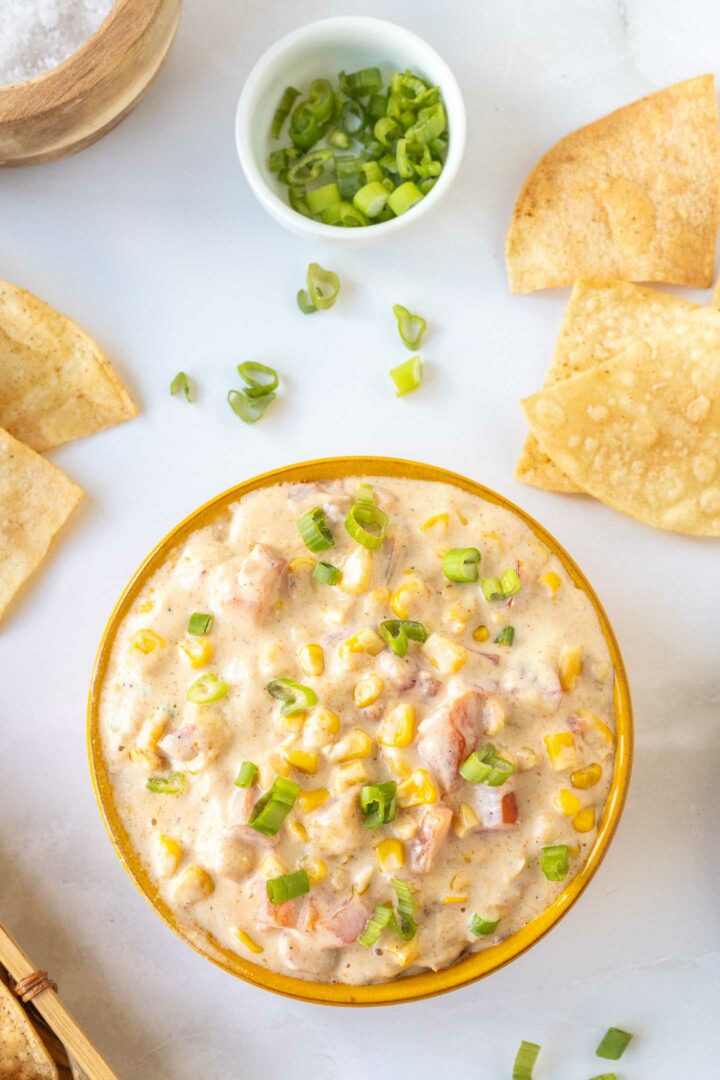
427, 984
282, 211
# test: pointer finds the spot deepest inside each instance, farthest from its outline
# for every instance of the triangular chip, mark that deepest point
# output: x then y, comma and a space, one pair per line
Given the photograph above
55, 383
641, 432
22, 1053
634, 195
36, 498
603, 317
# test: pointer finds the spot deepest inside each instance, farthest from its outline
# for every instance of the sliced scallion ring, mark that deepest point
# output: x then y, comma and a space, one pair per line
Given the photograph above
249, 409
288, 886
398, 632
315, 531
288, 99
206, 689
555, 862
482, 927
326, 573
492, 588
461, 565
525, 1060
411, 327
360, 518
365, 493
484, 766
370, 199
199, 624
407, 376
403, 922
271, 809
321, 99
173, 783
323, 286
261, 380
613, 1044
246, 777
294, 696
511, 583
380, 919
181, 384
404, 198
361, 83
378, 803
506, 636
305, 303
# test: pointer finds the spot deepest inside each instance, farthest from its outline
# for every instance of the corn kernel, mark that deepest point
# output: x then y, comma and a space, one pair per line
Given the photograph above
145, 751
585, 820
272, 866
305, 761
146, 606
461, 517
147, 641
357, 744
570, 667
436, 519
247, 941
573, 850
405, 826
390, 854
599, 725
454, 900
526, 758
367, 691
310, 799
398, 726
272, 659
460, 882
446, 655
552, 583
458, 616
311, 659
321, 727
587, 777
566, 802
298, 830
380, 596
294, 723
561, 750
315, 867
301, 562
356, 571
280, 765
348, 776
405, 596
405, 952
365, 641
194, 885
417, 789
464, 821
481, 633
397, 763
196, 651
169, 852
493, 716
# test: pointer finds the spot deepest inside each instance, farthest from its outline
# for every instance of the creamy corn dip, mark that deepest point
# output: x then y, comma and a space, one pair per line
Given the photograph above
354, 781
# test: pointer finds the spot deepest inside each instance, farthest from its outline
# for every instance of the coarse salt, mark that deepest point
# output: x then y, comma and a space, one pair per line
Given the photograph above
37, 35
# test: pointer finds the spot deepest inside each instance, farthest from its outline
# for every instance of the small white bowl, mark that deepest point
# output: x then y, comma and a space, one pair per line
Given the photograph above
323, 49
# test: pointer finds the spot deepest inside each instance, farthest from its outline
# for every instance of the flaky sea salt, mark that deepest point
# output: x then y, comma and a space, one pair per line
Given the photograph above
36, 35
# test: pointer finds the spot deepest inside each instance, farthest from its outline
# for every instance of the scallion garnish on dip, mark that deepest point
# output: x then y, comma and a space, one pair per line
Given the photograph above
525, 1060
181, 385
271, 809
407, 376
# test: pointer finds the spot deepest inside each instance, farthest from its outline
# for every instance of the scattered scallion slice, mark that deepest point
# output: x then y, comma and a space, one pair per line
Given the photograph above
249, 409
261, 380
398, 632
199, 624
613, 1044
555, 862
484, 766
315, 530
403, 922
378, 803
181, 385
305, 303
288, 99
511, 583
326, 573
525, 1060
411, 328
361, 517
361, 83
288, 886
404, 198
371, 199
380, 919
365, 493
506, 636
206, 689
407, 376
492, 588
294, 696
461, 565
320, 99
173, 783
271, 809
482, 927
323, 197
246, 776
323, 286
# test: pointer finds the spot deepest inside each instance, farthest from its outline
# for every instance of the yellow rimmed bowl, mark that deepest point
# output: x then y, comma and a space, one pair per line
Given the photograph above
416, 987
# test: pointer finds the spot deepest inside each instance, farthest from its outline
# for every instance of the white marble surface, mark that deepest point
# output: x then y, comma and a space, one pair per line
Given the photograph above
152, 240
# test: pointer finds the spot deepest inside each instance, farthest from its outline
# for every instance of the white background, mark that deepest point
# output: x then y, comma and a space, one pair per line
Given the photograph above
152, 240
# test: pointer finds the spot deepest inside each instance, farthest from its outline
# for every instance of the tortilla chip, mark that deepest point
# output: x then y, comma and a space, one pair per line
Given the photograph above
604, 316
641, 432
634, 195
22, 1053
55, 383
36, 498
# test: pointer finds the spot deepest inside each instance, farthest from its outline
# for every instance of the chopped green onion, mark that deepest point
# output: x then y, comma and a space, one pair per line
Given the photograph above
398, 632
323, 197
485, 767
404, 198
411, 327
350, 217
296, 198
309, 167
362, 514
380, 919
361, 83
172, 784
258, 387
431, 123
323, 286
339, 139
305, 128
461, 565
482, 927
377, 106
371, 199
407, 376
326, 573
321, 99
613, 1044
288, 886
353, 118
555, 862
349, 175
294, 696
288, 99
206, 689
315, 531
403, 922
199, 624
246, 776
511, 583
249, 409
305, 303
605, 1076
506, 636
378, 803
386, 131
281, 160
525, 1060
181, 384
373, 172
427, 184
271, 809
365, 493
492, 588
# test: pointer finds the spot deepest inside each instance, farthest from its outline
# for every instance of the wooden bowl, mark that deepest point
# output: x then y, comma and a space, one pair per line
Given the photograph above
74, 104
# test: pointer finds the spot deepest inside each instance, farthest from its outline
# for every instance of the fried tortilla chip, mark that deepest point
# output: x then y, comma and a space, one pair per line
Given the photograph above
22, 1053
36, 498
55, 383
641, 432
634, 195
604, 316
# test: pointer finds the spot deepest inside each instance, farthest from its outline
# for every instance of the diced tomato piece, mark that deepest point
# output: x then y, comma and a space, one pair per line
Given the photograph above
509, 808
